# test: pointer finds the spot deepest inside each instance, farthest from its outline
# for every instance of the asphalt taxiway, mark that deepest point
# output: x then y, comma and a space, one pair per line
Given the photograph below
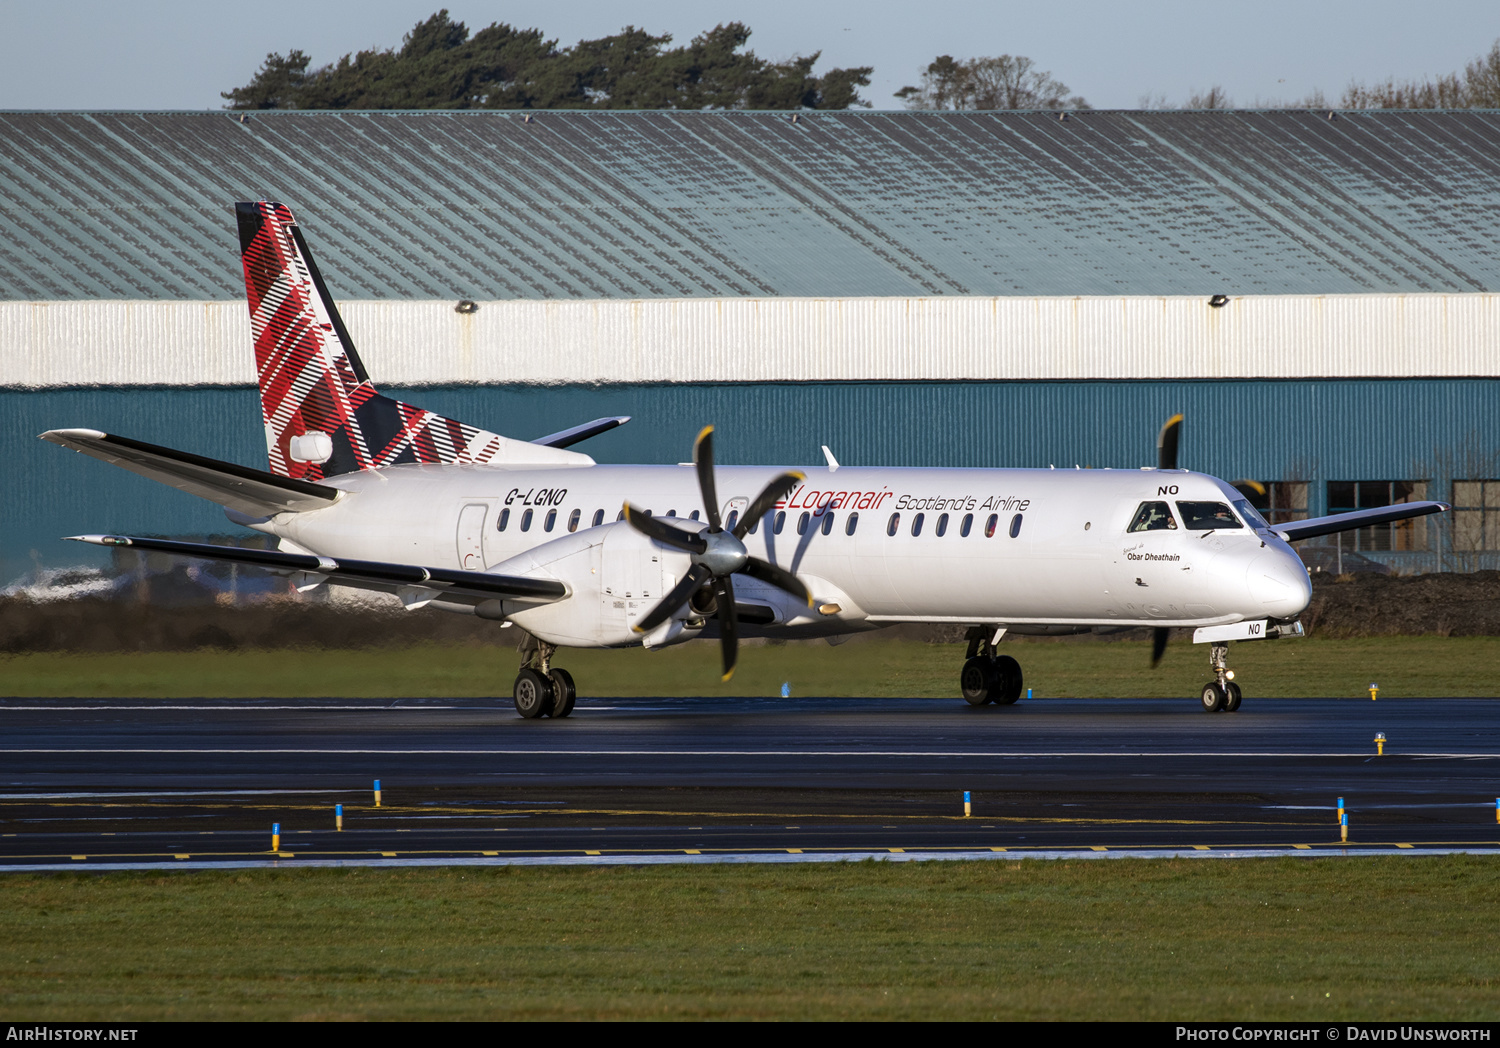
89, 783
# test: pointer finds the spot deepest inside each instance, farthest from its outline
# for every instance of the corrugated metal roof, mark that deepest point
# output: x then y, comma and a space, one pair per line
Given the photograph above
670, 204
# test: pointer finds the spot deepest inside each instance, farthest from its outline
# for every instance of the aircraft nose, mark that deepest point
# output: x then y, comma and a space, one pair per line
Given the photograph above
1278, 582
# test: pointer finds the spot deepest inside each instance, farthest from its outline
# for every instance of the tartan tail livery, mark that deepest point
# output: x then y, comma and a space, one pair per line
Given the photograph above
322, 415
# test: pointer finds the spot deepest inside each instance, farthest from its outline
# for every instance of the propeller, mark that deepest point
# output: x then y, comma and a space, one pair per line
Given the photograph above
717, 553
1166, 443
1166, 458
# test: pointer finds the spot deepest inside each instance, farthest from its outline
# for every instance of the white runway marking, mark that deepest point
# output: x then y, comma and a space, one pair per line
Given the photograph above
745, 858
542, 751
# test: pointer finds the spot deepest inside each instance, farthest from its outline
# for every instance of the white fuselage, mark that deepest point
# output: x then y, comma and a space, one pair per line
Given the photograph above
1060, 552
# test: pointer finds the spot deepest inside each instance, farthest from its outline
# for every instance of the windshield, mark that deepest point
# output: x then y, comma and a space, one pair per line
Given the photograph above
1207, 516
1153, 516
1251, 514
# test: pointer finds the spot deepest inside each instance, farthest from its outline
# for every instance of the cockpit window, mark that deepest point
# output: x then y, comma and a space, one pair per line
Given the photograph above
1250, 514
1153, 516
1207, 516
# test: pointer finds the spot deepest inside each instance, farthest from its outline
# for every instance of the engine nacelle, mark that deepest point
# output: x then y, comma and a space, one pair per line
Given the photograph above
616, 576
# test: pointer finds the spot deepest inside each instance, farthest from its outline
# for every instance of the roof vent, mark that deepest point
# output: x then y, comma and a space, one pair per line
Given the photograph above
466, 306
1332, 115
1063, 117
526, 119
796, 118
1218, 301
244, 119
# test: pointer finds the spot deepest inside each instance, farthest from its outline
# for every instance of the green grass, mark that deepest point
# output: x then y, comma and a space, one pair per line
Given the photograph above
1321, 939
1403, 666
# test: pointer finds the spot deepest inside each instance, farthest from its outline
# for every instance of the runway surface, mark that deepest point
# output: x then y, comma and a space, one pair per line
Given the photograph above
91, 783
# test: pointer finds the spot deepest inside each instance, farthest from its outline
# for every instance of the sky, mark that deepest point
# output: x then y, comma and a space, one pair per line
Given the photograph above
180, 54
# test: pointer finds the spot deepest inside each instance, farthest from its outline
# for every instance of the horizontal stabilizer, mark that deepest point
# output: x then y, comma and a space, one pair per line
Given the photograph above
250, 491
1360, 518
362, 574
568, 437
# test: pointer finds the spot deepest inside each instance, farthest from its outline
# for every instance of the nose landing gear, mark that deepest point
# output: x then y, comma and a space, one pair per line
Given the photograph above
1222, 693
986, 676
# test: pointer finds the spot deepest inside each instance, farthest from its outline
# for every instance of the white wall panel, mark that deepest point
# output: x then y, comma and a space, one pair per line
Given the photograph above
765, 340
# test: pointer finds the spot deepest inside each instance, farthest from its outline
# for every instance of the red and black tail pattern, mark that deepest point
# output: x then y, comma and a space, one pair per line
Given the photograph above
322, 415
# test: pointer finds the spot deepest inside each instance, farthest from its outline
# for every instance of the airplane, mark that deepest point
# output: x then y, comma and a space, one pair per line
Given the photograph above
368, 492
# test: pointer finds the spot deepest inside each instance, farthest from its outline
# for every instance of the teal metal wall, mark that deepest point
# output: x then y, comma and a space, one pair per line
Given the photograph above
1314, 430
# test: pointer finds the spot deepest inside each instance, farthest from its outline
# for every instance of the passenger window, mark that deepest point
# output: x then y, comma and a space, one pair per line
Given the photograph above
802, 524
968, 523
551, 520
619, 516
916, 524
779, 523
827, 523
598, 517
671, 513
504, 520
693, 515
1206, 516
1153, 516
895, 524
942, 525
989, 525
753, 528
573, 519
1015, 525
851, 524
734, 518
526, 521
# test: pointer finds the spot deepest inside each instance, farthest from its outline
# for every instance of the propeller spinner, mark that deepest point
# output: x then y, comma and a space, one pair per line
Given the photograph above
717, 553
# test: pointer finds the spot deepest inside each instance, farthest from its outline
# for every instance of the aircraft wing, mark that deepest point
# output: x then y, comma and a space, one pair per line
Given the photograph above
253, 492
1360, 518
469, 586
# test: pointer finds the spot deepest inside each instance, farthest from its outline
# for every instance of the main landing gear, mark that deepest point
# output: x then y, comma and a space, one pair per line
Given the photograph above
542, 690
986, 676
1222, 693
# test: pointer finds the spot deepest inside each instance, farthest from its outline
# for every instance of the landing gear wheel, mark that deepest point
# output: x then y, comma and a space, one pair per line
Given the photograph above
979, 681
1009, 672
533, 694
563, 692
1232, 697
1213, 698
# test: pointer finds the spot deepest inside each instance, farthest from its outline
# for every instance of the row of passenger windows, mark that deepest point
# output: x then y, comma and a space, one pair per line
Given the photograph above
825, 524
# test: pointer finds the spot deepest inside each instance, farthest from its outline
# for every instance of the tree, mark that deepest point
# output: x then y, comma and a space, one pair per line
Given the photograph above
440, 66
1003, 82
1477, 87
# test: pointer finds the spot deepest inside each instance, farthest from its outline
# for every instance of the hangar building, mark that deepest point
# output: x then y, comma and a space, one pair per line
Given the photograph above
1319, 293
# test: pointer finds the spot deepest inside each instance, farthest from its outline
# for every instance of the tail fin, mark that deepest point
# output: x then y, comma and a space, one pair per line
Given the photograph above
322, 415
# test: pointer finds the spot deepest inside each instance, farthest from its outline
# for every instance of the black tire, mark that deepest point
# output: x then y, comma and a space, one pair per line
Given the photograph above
1213, 697
533, 694
978, 681
1011, 684
1232, 697
564, 694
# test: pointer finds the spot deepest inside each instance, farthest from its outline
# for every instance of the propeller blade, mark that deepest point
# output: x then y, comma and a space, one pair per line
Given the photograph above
771, 494
1166, 443
666, 534
696, 576
778, 577
729, 627
703, 459
1158, 644
1248, 486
